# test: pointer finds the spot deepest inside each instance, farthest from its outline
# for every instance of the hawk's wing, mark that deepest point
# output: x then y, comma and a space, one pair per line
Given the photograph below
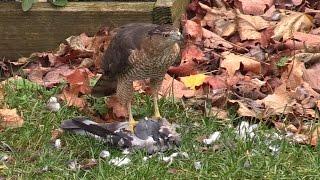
128, 38
115, 60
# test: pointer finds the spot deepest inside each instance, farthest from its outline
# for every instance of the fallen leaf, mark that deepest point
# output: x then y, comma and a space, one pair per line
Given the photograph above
10, 119
315, 136
80, 78
190, 53
72, 98
56, 75
216, 82
36, 74
294, 22
232, 63
249, 109
253, 7
1, 95
175, 88
88, 164
249, 26
118, 109
193, 81
278, 103
193, 29
293, 76
213, 40
80, 42
184, 69
312, 77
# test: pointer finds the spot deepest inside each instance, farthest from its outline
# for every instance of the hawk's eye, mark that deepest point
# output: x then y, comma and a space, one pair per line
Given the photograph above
165, 35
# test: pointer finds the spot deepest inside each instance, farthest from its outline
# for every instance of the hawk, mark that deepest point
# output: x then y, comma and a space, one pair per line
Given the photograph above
138, 51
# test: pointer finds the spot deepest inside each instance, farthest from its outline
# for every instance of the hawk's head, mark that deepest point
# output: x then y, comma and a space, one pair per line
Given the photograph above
164, 36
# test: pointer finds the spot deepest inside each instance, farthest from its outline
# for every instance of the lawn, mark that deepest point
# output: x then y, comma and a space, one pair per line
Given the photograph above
33, 155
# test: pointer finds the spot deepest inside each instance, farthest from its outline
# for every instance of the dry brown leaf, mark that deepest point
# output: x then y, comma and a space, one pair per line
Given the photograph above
140, 85
218, 113
249, 109
1, 95
312, 77
278, 103
232, 63
190, 53
193, 29
306, 41
56, 75
80, 79
213, 40
220, 20
253, 7
294, 22
56, 133
216, 82
80, 42
175, 88
10, 119
184, 69
72, 98
218, 12
118, 109
36, 74
293, 74
249, 26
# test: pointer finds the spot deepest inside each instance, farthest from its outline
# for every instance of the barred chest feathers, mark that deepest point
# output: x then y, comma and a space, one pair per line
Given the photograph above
143, 66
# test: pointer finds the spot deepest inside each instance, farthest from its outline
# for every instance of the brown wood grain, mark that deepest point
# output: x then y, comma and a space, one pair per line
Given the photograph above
45, 26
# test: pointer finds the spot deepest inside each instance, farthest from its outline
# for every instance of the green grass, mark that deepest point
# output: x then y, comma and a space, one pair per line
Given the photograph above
234, 159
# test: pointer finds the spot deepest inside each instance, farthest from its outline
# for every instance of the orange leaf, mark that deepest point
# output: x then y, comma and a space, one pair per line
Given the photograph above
80, 79
72, 98
118, 109
10, 119
193, 29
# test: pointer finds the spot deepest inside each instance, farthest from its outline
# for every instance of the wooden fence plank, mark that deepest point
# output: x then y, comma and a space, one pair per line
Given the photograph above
44, 27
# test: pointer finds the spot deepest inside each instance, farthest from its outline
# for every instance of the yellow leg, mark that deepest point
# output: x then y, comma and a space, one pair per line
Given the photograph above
132, 122
156, 107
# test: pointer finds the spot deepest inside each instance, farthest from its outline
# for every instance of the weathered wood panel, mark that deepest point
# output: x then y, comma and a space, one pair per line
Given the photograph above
44, 27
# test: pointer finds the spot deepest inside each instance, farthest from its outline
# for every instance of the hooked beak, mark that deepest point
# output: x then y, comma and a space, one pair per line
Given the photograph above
177, 36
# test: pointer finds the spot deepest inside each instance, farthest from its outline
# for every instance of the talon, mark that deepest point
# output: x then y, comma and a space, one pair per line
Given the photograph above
132, 124
156, 116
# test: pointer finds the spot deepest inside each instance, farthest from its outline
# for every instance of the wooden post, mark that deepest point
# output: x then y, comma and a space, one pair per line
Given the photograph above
169, 11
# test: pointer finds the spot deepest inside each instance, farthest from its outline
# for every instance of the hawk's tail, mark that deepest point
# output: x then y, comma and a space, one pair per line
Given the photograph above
105, 86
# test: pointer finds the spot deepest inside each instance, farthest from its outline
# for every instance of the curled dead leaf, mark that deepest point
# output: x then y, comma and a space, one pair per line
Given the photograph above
294, 22
232, 63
